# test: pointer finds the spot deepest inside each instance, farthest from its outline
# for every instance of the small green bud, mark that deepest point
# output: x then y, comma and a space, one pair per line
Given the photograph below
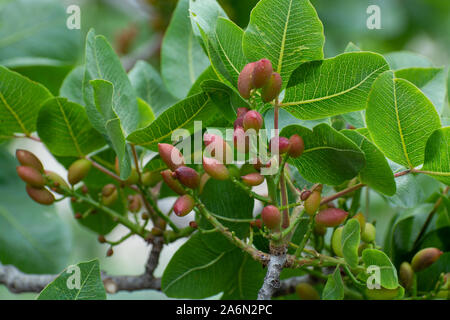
406, 275
253, 120
108, 189
272, 88
110, 252
296, 146
369, 233
331, 217
271, 217
261, 73
134, 203
171, 156
336, 241
215, 169
31, 176
253, 179
183, 205
56, 181
172, 183
101, 239
305, 291
313, 202
28, 159
425, 258
245, 80
188, 177
78, 171
41, 196
133, 178
109, 194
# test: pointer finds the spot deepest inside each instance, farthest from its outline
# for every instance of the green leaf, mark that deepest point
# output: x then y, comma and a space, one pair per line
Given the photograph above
146, 115
333, 86
334, 288
72, 86
34, 32
377, 174
102, 63
229, 47
437, 155
208, 74
204, 15
20, 101
431, 81
388, 273
182, 58
329, 157
247, 280
406, 59
227, 202
182, 115
227, 99
64, 128
350, 242
155, 165
103, 94
89, 285
400, 119
149, 86
287, 33
32, 237
193, 272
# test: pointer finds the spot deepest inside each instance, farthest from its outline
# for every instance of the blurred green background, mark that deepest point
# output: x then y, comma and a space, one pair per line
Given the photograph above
135, 29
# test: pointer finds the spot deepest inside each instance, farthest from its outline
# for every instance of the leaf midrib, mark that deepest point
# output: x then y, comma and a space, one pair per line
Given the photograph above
69, 128
14, 114
295, 103
283, 40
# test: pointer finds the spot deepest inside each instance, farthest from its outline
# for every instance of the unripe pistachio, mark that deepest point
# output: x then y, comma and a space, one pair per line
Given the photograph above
31, 176
262, 72
312, 203
110, 199
305, 291
241, 112
134, 203
297, 146
336, 241
28, 159
239, 122
272, 88
78, 171
108, 189
171, 156
253, 120
281, 142
215, 169
133, 178
331, 217
150, 178
253, 179
256, 223
271, 217
193, 224
425, 258
406, 275
369, 233
188, 177
42, 196
57, 182
382, 293
219, 149
183, 205
145, 216
101, 239
362, 221
305, 195
245, 80
110, 252
171, 182
241, 140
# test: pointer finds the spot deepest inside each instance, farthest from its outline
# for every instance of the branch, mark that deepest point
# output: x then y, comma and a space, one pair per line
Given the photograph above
18, 282
274, 268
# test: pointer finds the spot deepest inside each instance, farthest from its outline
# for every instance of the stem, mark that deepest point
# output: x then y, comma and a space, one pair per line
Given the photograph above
341, 193
302, 244
250, 192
